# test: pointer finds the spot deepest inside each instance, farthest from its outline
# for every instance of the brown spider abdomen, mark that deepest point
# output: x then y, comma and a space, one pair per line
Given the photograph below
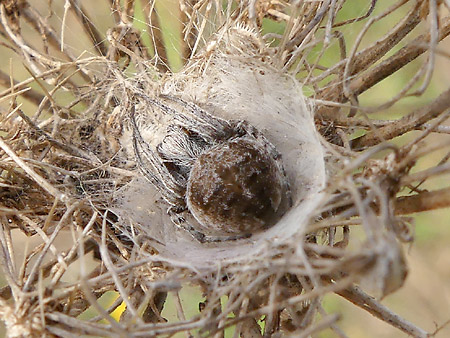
235, 188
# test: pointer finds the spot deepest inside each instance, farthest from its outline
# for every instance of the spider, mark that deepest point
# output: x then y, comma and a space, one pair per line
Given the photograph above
223, 180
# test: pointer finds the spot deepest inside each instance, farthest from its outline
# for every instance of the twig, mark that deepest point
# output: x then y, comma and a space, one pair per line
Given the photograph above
180, 311
313, 23
31, 55
326, 322
88, 292
404, 56
107, 261
49, 73
38, 23
424, 201
424, 174
70, 149
343, 121
29, 94
405, 124
82, 327
37, 264
89, 27
155, 33
43, 183
374, 52
358, 297
7, 261
346, 22
14, 95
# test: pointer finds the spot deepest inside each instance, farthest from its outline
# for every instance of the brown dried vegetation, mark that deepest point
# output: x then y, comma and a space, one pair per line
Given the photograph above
61, 164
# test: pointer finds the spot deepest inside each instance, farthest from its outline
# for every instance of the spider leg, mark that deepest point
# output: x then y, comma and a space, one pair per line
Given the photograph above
212, 127
171, 190
218, 239
181, 223
199, 113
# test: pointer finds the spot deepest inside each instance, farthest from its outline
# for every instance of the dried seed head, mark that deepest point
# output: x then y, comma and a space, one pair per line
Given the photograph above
236, 188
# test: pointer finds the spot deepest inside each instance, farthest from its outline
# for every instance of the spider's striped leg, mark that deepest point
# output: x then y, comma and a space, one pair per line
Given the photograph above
195, 118
181, 222
153, 168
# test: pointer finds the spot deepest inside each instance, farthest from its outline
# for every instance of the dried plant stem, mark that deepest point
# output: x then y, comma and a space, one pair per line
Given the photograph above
72, 171
405, 124
368, 79
427, 173
72, 325
53, 71
191, 29
39, 23
326, 322
343, 121
371, 54
311, 25
405, 55
7, 263
43, 183
88, 26
424, 201
358, 297
37, 265
14, 95
369, 11
30, 94
76, 152
155, 33
107, 260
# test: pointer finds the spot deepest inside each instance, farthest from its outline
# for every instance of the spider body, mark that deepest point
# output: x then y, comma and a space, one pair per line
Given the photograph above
225, 174
235, 187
